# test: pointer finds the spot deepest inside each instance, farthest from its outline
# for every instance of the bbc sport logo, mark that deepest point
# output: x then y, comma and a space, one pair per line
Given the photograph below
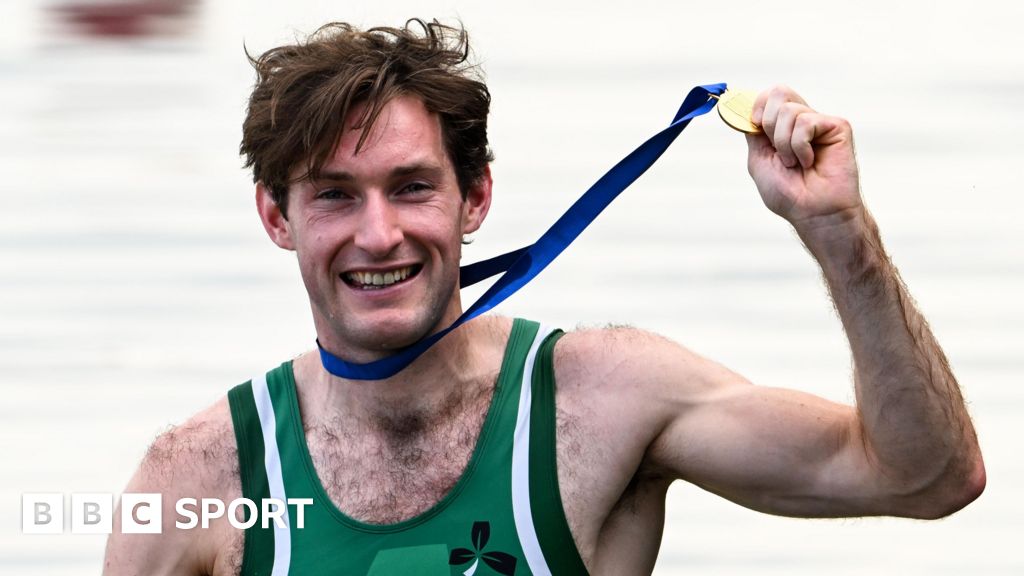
142, 513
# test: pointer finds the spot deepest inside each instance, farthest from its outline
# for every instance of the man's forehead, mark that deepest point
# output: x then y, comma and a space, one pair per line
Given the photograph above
404, 119
405, 137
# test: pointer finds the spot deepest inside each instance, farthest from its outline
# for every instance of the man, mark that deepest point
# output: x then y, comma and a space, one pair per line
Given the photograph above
507, 448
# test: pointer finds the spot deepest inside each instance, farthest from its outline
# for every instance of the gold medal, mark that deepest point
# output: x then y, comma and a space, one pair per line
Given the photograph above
736, 108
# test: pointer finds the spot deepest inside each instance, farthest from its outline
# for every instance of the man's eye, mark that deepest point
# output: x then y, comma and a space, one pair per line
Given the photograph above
415, 187
331, 194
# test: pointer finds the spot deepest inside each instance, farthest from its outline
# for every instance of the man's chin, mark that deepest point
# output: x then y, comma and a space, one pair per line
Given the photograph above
387, 336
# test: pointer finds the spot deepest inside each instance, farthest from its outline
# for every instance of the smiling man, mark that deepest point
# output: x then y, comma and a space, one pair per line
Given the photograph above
509, 447
378, 231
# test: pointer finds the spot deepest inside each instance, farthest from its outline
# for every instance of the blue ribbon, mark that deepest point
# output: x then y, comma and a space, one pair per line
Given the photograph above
522, 265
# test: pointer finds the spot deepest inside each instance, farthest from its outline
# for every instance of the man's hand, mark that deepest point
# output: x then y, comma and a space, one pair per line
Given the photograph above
804, 163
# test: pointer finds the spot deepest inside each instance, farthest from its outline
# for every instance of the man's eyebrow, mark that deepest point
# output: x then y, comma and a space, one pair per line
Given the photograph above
396, 172
416, 168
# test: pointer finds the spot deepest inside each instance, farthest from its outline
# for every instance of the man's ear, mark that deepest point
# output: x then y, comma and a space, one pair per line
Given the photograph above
477, 203
274, 222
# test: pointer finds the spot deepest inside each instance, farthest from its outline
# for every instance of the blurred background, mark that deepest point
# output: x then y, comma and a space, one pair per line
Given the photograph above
137, 285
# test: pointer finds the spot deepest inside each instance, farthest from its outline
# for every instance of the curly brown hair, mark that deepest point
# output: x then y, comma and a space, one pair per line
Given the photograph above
304, 92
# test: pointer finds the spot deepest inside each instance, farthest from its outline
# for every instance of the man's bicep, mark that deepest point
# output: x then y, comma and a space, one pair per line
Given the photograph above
774, 450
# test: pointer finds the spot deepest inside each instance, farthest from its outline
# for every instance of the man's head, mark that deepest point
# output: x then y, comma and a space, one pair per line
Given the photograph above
375, 145
304, 93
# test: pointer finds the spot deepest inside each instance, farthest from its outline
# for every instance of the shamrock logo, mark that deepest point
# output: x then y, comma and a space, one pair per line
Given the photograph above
500, 562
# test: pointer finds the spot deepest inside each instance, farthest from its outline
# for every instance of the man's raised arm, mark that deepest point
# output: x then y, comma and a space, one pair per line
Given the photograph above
907, 449
914, 423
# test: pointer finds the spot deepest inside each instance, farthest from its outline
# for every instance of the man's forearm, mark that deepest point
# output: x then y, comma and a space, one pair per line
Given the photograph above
912, 414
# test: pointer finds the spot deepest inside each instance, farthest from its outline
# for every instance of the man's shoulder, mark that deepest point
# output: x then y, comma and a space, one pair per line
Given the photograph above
196, 459
199, 454
612, 355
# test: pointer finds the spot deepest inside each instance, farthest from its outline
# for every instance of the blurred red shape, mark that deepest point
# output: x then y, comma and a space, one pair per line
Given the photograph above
122, 19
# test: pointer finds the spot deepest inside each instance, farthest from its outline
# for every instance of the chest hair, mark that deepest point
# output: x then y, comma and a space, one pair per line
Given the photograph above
401, 462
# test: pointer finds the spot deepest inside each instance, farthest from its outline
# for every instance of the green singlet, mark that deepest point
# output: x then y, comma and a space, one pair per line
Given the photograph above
503, 516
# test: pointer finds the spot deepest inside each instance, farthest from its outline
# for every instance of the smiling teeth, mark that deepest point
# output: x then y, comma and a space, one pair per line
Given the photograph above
379, 279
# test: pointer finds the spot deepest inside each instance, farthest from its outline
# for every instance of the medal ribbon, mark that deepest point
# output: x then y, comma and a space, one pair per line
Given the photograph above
522, 265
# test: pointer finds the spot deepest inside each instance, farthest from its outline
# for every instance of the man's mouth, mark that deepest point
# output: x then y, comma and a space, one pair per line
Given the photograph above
378, 279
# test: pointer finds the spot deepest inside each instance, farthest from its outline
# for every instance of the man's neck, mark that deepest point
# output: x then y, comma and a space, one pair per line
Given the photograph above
430, 388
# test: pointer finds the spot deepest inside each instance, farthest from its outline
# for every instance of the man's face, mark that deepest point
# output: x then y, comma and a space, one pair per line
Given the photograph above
378, 235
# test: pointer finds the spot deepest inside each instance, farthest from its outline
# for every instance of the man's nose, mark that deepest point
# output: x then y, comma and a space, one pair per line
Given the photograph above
379, 231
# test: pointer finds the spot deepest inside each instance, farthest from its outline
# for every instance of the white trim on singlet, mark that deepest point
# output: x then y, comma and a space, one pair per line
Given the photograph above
275, 480
521, 510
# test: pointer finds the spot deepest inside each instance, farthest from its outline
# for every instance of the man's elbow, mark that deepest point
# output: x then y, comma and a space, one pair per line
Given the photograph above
972, 485
962, 485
